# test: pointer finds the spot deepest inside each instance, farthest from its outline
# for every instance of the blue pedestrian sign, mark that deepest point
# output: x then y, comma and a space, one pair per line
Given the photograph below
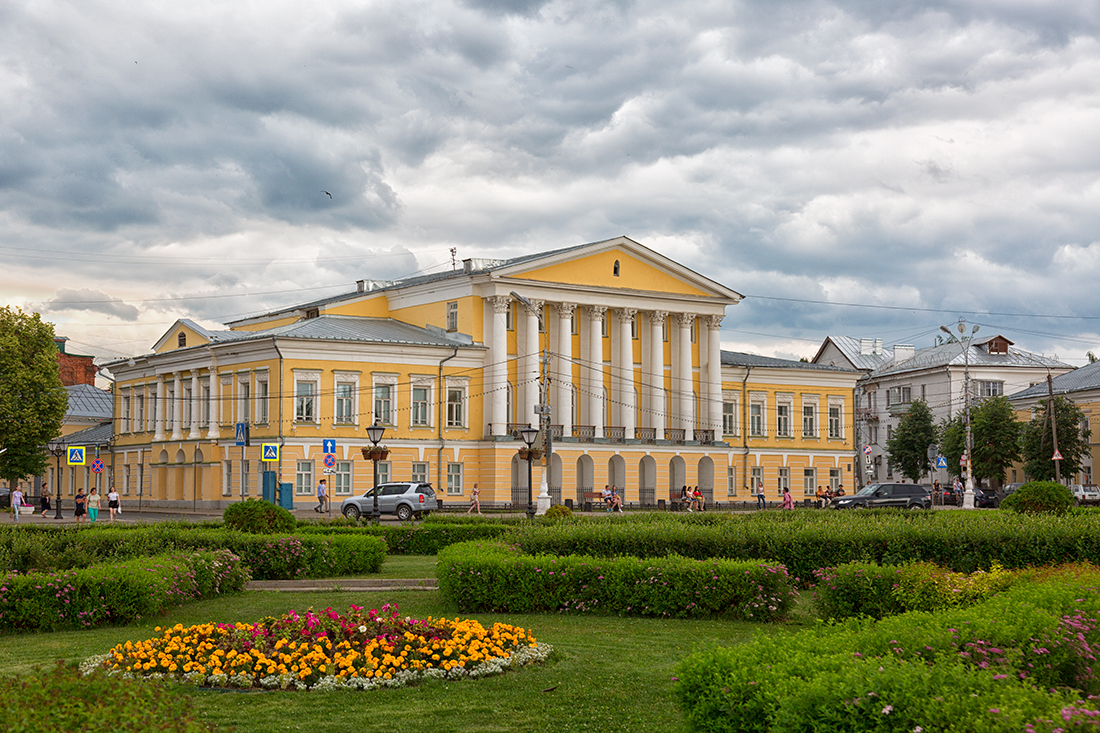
76, 456
242, 433
941, 462
270, 452
328, 445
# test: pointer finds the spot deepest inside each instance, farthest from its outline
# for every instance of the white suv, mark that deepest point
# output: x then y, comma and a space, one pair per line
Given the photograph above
1086, 493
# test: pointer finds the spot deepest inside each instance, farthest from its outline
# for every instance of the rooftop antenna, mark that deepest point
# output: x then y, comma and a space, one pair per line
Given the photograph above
454, 262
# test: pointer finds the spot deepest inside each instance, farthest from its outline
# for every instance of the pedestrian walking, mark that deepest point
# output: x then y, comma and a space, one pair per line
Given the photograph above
44, 502
475, 500
81, 502
16, 503
93, 505
113, 503
322, 496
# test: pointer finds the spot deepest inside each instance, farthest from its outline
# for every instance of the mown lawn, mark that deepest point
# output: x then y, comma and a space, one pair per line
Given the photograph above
609, 674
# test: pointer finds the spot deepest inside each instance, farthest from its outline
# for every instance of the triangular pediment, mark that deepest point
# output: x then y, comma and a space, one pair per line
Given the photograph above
193, 335
619, 263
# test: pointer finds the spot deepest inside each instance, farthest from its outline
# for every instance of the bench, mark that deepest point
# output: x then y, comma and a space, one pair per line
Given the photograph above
675, 504
592, 497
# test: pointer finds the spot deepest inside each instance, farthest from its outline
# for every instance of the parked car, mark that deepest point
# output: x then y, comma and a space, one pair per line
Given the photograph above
988, 498
406, 499
1086, 493
948, 496
903, 496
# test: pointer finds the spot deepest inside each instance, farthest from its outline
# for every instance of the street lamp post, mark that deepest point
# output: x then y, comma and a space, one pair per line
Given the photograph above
375, 454
57, 449
529, 436
965, 339
543, 409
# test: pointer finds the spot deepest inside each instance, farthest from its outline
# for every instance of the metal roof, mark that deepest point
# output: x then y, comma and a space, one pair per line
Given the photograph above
952, 355
741, 359
1079, 380
850, 347
89, 402
347, 328
101, 434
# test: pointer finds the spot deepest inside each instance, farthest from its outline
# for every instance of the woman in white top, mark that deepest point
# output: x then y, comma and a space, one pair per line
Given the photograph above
112, 502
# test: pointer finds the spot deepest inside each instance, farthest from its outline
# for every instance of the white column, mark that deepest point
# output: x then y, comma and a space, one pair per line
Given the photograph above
531, 362
595, 367
158, 409
714, 374
195, 406
626, 371
212, 431
684, 388
177, 406
657, 372
498, 367
563, 409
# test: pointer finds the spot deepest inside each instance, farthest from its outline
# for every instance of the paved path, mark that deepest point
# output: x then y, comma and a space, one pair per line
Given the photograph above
345, 584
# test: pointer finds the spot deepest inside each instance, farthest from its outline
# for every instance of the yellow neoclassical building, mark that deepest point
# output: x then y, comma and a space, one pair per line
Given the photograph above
628, 341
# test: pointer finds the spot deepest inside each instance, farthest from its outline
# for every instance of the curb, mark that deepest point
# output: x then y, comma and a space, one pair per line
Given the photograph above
345, 584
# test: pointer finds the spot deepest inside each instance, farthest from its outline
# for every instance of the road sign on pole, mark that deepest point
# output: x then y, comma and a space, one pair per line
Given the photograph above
97, 466
328, 445
76, 455
1057, 456
330, 460
866, 450
242, 433
270, 452
941, 462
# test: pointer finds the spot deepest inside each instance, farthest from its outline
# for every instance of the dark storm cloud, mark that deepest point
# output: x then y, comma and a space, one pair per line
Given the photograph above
90, 300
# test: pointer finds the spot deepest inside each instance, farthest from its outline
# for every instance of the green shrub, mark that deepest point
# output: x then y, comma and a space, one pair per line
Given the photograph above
930, 669
116, 593
1038, 497
557, 512
417, 539
61, 699
258, 517
480, 577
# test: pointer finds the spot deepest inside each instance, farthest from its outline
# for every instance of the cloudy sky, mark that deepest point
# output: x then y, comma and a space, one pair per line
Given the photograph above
860, 168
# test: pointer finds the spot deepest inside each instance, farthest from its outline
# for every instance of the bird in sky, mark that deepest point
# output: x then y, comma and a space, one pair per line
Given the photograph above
326, 193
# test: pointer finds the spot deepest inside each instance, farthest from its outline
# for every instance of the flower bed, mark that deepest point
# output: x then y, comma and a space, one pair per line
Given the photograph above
362, 650
481, 576
117, 593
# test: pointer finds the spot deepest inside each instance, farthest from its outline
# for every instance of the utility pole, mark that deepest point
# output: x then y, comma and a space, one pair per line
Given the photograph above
1053, 428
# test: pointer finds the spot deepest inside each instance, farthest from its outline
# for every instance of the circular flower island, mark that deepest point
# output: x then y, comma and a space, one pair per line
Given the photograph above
325, 650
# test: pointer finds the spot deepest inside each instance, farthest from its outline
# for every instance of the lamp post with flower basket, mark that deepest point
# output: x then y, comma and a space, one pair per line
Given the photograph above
375, 454
530, 454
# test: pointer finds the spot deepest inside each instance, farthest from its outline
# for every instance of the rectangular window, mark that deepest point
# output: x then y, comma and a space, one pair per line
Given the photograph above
603, 326
664, 331
809, 421
809, 481
383, 472
756, 419
454, 408
420, 472
187, 416
344, 402
731, 481
922, 391
126, 480
341, 480
756, 477
834, 478
139, 409
729, 418
634, 328
244, 394
382, 404
141, 479
509, 318
452, 315
170, 408
246, 478
454, 478
573, 324
834, 421
304, 397
991, 389
204, 404
420, 406
872, 434
227, 479
303, 478
694, 322
125, 427
783, 420
261, 402
784, 479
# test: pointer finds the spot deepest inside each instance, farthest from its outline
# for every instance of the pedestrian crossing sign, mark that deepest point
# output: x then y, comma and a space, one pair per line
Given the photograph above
270, 452
941, 462
76, 455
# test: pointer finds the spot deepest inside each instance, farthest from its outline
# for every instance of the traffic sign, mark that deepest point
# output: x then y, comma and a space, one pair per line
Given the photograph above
329, 471
76, 455
866, 450
242, 433
270, 452
330, 460
1057, 456
941, 462
97, 466
328, 445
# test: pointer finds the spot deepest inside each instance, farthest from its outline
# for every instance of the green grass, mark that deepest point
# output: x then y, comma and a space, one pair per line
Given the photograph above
609, 674
407, 566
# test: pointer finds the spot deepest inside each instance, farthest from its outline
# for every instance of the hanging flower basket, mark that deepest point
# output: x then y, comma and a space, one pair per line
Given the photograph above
376, 454
533, 454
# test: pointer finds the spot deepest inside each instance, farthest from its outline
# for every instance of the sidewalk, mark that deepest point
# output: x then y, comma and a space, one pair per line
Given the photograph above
360, 585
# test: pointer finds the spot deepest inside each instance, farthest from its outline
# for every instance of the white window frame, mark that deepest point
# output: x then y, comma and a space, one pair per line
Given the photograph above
350, 379
140, 477
139, 409
462, 385
426, 383
303, 478
784, 401
756, 476
384, 380
421, 471
784, 480
244, 397
730, 413
261, 397
758, 399
809, 481
225, 397
452, 316
124, 410
731, 481
991, 388
385, 471
836, 478
204, 403
454, 479
343, 478
836, 403
227, 479
810, 422
126, 470
246, 477
311, 377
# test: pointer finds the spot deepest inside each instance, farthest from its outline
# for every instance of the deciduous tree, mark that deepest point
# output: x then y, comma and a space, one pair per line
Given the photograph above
1037, 445
908, 447
996, 433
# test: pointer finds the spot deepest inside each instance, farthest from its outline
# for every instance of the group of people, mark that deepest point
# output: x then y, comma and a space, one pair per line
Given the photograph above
86, 506
692, 499
825, 495
612, 501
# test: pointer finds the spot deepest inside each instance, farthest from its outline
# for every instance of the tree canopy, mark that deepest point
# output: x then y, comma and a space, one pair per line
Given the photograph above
908, 446
951, 436
32, 399
996, 434
1037, 445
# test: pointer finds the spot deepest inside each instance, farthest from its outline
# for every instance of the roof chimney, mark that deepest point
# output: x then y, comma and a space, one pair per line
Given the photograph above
865, 347
878, 346
468, 265
902, 352
60, 341
360, 286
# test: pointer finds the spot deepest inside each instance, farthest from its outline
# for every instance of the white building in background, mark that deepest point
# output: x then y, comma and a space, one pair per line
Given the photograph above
894, 377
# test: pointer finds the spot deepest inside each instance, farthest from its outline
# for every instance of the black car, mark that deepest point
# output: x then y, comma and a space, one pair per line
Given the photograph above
901, 496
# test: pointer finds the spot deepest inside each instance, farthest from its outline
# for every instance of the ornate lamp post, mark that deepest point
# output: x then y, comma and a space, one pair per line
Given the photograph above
965, 339
56, 449
375, 454
529, 436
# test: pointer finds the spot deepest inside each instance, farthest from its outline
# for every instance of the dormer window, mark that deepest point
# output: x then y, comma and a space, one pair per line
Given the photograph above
616, 272
312, 313
181, 340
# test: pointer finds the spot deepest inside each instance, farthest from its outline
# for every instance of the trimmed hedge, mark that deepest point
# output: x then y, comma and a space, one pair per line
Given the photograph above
258, 517
479, 576
116, 593
269, 557
419, 539
61, 699
863, 589
1037, 497
804, 541
1019, 661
